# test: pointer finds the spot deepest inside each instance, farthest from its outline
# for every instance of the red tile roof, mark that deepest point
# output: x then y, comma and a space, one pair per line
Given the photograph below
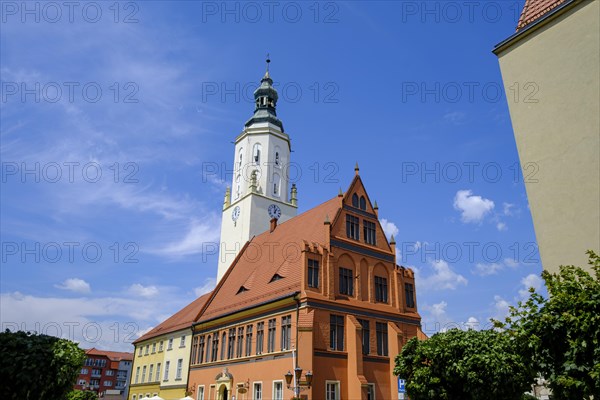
180, 320
270, 253
535, 9
112, 355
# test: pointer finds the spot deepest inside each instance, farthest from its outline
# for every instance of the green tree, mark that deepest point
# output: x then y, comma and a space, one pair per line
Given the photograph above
82, 395
37, 366
464, 365
561, 334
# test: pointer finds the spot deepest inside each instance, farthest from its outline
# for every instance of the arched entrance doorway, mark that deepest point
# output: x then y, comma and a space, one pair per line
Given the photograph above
224, 381
223, 393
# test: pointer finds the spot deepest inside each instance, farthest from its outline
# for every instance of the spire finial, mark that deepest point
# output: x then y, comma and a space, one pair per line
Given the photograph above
356, 169
268, 60
392, 240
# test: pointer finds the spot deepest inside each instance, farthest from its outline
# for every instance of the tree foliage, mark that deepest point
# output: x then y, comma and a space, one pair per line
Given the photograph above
561, 334
82, 395
464, 365
37, 366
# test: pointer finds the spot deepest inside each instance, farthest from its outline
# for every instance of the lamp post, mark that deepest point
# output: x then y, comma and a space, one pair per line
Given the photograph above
297, 385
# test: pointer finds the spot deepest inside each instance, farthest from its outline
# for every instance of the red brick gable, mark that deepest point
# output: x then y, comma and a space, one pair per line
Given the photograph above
535, 9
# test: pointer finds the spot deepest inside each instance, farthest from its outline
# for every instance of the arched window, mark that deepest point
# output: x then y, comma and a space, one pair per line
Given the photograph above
363, 203
240, 159
276, 158
256, 153
354, 200
208, 348
238, 186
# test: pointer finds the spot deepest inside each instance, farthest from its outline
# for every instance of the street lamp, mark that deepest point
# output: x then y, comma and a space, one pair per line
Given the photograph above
293, 381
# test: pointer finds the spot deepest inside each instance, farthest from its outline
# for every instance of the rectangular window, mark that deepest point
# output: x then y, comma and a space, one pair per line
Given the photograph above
286, 332
257, 392
271, 337
137, 375
382, 338
240, 342
157, 378
336, 332
371, 391
278, 390
332, 391
369, 232
215, 347
231, 344
249, 340
260, 337
109, 372
410, 295
143, 374
150, 372
160, 346
182, 341
153, 347
107, 383
147, 350
82, 382
200, 393
346, 281
366, 336
352, 227
179, 368
381, 289
313, 273
84, 371
167, 365
170, 345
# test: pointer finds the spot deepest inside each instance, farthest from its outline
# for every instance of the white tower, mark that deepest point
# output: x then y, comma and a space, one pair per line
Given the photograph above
260, 190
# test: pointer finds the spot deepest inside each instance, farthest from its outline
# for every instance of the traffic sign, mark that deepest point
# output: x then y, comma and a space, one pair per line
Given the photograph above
401, 384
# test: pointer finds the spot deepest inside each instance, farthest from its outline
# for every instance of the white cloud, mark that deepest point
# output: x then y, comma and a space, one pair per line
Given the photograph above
389, 228
501, 307
511, 263
472, 323
208, 285
75, 285
487, 269
455, 117
501, 226
443, 277
439, 309
473, 208
143, 291
198, 234
507, 208
530, 281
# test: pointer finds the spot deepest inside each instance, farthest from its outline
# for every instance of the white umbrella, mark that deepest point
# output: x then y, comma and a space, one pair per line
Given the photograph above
187, 398
157, 398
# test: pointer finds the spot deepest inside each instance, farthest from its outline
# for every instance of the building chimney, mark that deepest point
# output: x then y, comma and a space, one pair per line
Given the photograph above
273, 224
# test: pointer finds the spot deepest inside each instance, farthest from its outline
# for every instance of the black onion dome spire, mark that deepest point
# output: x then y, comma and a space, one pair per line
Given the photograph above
265, 100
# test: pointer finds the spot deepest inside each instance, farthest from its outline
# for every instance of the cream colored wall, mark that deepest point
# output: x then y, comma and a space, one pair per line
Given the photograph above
558, 136
176, 353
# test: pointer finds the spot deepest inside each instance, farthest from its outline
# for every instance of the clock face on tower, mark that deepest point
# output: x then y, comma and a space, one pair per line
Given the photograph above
235, 214
274, 211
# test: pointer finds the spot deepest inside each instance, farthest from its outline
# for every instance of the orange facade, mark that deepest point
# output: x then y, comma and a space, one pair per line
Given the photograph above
321, 291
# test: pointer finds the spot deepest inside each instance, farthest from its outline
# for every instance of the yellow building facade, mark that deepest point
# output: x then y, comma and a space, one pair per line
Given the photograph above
550, 70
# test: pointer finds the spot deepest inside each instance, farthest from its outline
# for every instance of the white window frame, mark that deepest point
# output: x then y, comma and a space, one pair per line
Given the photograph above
182, 341
179, 370
198, 397
254, 385
273, 393
371, 387
337, 390
167, 365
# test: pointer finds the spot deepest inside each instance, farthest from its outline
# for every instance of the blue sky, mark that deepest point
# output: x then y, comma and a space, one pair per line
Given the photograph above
115, 115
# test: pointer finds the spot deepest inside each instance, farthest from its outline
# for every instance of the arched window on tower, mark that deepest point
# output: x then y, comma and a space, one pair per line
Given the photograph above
256, 153
240, 159
355, 200
238, 186
363, 203
276, 184
277, 161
